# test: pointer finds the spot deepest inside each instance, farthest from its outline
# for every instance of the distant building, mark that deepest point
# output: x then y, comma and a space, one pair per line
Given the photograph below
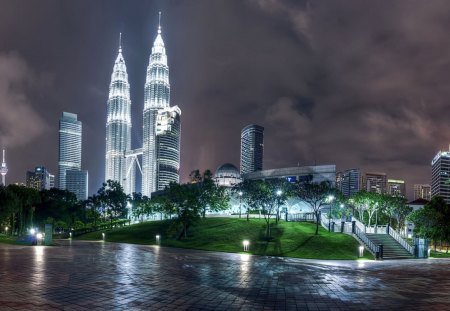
69, 157
440, 175
252, 149
52, 181
314, 174
227, 175
375, 182
422, 191
396, 187
77, 183
39, 179
349, 181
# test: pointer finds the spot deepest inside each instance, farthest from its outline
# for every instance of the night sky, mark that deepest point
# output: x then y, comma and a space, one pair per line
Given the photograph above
362, 84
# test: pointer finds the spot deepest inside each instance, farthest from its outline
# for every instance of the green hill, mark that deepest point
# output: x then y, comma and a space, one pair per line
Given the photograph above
290, 239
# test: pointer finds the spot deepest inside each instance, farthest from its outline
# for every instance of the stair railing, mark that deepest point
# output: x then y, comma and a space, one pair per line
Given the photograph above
359, 224
401, 241
373, 248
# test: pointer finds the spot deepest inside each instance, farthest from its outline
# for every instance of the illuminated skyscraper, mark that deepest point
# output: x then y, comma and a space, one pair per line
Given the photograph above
252, 149
422, 191
396, 187
69, 157
375, 182
440, 175
39, 179
118, 126
161, 124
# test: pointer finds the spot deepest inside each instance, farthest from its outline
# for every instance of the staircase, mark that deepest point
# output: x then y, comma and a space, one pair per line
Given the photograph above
391, 248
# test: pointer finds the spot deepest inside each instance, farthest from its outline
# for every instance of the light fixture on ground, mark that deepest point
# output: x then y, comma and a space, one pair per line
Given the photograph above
279, 193
70, 234
361, 251
103, 236
39, 237
6, 230
158, 239
240, 202
246, 244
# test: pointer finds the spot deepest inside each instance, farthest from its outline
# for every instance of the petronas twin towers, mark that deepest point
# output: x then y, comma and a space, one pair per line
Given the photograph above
161, 127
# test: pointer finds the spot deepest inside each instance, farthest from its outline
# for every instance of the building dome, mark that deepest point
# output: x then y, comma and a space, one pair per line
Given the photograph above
227, 175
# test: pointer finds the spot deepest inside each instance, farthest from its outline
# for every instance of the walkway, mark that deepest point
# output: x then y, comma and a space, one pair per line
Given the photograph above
108, 276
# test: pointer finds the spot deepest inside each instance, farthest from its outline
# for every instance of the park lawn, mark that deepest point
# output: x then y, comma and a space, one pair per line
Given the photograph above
289, 239
11, 240
435, 254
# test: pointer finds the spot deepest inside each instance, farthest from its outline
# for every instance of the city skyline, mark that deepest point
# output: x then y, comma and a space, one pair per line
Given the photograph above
356, 109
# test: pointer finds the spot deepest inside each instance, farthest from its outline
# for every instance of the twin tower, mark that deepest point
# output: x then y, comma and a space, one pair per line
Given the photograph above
161, 127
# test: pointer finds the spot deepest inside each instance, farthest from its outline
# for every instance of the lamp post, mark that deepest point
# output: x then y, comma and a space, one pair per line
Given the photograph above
330, 199
376, 217
279, 193
240, 202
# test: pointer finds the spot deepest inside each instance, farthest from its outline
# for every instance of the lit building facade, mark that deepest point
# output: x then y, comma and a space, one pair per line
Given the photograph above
396, 187
168, 130
375, 182
440, 175
252, 149
422, 191
315, 174
227, 175
349, 181
3, 169
118, 126
77, 183
39, 179
161, 125
69, 157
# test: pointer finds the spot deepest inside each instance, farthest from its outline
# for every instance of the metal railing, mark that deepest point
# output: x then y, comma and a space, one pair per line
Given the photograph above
359, 224
401, 241
302, 217
372, 247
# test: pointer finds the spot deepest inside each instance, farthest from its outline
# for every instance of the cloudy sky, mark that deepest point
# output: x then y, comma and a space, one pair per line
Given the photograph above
362, 84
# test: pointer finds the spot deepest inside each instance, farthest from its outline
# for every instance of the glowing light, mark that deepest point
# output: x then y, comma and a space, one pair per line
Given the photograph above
279, 192
103, 236
246, 244
158, 239
361, 251
32, 231
39, 236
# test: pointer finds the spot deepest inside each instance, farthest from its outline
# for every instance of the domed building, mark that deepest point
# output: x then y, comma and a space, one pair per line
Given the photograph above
227, 175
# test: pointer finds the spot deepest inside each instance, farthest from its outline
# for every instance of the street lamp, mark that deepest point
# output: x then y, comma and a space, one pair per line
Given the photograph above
240, 202
330, 199
279, 193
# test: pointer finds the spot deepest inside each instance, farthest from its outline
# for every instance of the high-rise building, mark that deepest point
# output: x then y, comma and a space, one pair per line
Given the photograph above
77, 183
252, 148
69, 157
159, 119
118, 126
3, 169
168, 146
422, 191
39, 179
339, 180
396, 187
375, 182
440, 175
350, 182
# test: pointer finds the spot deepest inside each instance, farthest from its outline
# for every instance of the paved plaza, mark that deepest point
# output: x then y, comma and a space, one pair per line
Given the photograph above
97, 276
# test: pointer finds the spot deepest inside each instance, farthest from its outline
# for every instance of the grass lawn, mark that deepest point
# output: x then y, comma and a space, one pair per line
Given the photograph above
435, 254
11, 240
290, 239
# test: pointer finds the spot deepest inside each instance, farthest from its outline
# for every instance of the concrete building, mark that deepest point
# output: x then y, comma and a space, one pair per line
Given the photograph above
396, 187
440, 175
77, 183
314, 174
227, 175
422, 191
375, 182
252, 149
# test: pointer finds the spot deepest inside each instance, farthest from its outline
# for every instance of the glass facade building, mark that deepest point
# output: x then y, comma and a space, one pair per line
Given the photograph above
375, 182
396, 187
351, 182
252, 148
77, 183
422, 191
39, 179
118, 126
69, 157
161, 125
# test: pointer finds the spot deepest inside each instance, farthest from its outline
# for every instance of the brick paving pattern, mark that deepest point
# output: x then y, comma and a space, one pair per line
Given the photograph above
108, 276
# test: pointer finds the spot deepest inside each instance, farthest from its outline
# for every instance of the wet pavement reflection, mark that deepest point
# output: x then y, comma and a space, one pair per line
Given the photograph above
95, 275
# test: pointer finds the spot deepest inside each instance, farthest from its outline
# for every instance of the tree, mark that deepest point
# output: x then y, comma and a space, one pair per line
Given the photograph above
211, 196
369, 202
400, 210
315, 195
27, 199
262, 195
60, 205
182, 200
114, 199
433, 221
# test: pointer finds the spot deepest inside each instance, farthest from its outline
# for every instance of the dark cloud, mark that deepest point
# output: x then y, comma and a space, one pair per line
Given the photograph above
356, 83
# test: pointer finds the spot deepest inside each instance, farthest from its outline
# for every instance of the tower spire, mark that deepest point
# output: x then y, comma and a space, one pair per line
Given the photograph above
3, 169
159, 23
120, 41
